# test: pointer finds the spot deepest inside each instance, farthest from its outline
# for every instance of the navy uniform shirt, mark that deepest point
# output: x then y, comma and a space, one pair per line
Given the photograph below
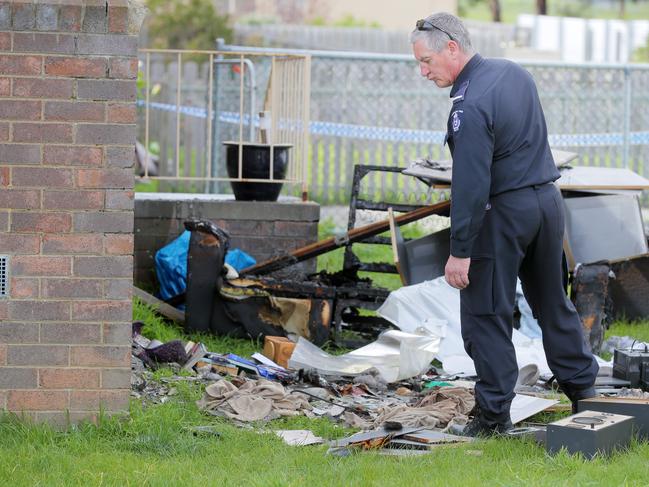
498, 140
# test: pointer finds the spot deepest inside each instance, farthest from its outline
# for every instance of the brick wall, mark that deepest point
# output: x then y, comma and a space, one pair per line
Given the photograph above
67, 131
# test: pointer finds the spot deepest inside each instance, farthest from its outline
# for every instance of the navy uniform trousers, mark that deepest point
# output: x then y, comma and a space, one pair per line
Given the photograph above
521, 235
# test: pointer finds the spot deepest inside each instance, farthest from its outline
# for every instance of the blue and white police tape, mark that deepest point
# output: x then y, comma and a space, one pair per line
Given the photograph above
394, 134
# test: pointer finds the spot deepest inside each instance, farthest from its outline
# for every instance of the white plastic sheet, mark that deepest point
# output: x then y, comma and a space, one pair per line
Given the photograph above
397, 355
430, 302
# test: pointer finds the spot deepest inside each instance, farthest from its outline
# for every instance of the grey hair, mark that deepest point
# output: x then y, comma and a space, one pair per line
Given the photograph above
436, 39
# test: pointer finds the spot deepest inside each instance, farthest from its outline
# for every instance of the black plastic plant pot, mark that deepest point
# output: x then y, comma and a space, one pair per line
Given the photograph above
256, 165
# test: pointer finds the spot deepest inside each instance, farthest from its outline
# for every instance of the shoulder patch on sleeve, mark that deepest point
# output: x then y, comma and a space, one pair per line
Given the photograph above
456, 120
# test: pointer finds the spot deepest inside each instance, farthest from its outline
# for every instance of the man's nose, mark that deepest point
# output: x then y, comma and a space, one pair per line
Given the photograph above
423, 69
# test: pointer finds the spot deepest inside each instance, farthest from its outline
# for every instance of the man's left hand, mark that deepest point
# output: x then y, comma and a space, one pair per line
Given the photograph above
457, 272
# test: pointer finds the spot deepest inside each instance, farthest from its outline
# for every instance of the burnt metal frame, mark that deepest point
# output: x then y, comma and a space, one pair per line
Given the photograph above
344, 306
351, 260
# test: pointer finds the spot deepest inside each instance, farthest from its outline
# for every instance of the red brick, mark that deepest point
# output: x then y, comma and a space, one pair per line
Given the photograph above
118, 333
24, 288
122, 113
72, 244
73, 200
70, 18
12, 333
41, 176
46, 17
42, 355
100, 356
5, 41
120, 157
42, 88
123, 68
95, 400
118, 289
42, 132
5, 178
38, 265
18, 378
23, 244
113, 266
106, 89
20, 65
20, 154
117, 19
108, 45
68, 378
18, 199
75, 67
105, 178
37, 400
72, 155
5, 87
95, 18
4, 132
44, 43
75, 111
24, 15
41, 222
119, 244
71, 333
106, 134
116, 378
102, 311
104, 222
119, 200
72, 288
20, 109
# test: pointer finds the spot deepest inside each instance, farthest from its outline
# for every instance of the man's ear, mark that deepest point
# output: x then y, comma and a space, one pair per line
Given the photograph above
453, 48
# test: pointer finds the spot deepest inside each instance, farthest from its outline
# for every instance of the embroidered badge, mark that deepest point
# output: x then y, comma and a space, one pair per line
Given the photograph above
456, 120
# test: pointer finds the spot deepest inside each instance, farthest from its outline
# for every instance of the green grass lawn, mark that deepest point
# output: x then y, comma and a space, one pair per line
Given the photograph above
511, 9
155, 447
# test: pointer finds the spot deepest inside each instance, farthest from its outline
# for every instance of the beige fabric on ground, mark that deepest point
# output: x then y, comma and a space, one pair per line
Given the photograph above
253, 401
435, 410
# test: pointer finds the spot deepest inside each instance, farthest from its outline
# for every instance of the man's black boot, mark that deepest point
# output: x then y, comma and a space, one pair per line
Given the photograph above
575, 395
483, 426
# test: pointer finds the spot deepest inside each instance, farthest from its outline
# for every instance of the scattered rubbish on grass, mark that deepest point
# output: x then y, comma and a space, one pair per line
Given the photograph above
251, 400
299, 437
410, 440
474, 453
396, 355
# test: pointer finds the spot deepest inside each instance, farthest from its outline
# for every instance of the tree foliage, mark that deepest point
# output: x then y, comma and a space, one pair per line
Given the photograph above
185, 24
494, 8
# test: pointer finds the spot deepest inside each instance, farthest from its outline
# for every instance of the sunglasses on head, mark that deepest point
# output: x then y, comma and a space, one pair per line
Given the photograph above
423, 24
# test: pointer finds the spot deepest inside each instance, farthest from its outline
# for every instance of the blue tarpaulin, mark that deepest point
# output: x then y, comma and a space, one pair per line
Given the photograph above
171, 265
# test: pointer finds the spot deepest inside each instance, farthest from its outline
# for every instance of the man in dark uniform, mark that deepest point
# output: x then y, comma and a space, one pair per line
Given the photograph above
507, 220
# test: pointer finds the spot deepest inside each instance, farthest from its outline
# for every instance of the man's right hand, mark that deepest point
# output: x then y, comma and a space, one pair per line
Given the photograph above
457, 271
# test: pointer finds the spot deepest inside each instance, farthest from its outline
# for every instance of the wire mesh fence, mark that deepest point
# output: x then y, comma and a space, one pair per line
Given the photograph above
377, 109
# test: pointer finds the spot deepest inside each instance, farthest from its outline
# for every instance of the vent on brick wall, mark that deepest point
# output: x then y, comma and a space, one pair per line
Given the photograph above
4, 276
